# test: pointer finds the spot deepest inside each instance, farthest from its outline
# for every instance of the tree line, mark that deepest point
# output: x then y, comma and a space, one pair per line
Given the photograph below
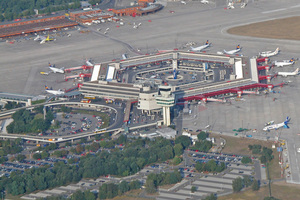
210, 166
134, 157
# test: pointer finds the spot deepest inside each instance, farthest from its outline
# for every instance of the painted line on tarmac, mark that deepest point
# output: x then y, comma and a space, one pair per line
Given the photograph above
271, 11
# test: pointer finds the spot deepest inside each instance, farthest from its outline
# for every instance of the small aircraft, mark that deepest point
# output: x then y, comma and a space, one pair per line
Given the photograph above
277, 126
88, 63
43, 39
284, 63
269, 53
238, 48
200, 48
56, 70
183, 2
55, 92
204, 2
243, 5
230, 5
285, 74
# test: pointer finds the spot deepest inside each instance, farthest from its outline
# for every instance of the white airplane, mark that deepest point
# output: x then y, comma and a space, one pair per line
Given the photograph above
88, 62
183, 2
277, 126
269, 53
285, 74
243, 5
238, 48
230, 5
200, 48
55, 69
204, 2
284, 63
55, 92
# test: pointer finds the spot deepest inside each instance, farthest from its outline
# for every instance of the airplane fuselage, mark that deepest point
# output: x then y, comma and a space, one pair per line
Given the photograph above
283, 63
232, 51
274, 126
57, 70
55, 92
200, 48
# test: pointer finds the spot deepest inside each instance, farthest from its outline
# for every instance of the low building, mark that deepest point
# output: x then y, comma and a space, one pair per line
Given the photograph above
167, 133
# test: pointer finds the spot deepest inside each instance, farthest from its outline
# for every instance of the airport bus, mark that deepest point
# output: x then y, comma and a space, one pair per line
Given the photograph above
89, 97
86, 101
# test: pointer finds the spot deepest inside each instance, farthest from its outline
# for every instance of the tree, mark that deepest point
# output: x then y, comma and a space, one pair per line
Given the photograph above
20, 157
178, 149
177, 160
246, 160
78, 195
211, 197
247, 181
185, 141
270, 198
37, 156
150, 186
255, 185
237, 184
202, 135
44, 154
193, 189
123, 187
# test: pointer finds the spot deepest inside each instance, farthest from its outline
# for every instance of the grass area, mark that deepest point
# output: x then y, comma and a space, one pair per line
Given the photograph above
9, 196
38, 101
131, 195
289, 29
167, 186
104, 116
280, 190
232, 148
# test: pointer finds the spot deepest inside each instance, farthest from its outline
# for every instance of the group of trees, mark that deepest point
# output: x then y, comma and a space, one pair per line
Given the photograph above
165, 178
111, 190
266, 153
26, 122
246, 160
9, 147
134, 157
239, 183
13, 9
11, 105
210, 166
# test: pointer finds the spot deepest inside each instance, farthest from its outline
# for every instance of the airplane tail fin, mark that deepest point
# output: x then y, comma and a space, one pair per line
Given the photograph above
292, 60
206, 42
277, 50
297, 70
238, 46
46, 87
286, 122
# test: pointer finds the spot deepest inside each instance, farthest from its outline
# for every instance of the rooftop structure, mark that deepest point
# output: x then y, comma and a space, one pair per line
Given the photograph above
34, 25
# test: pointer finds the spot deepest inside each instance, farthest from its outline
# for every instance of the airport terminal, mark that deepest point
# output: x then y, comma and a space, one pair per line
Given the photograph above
175, 77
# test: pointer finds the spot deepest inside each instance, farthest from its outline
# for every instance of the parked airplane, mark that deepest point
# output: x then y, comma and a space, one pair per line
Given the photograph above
204, 2
55, 92
200, 48
88, 63
238, 48
284, 63
277, 126
269, 53
56, 70
230, 5
285, 74
183, 2
43, 39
